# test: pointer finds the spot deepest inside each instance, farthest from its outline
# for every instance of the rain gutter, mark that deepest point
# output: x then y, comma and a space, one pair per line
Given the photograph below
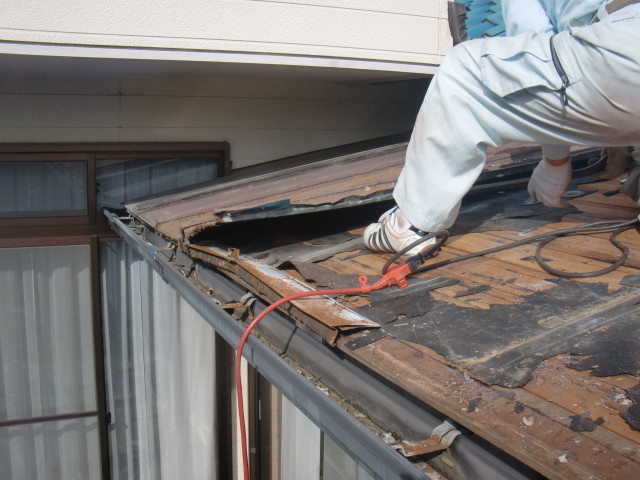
361, 444
383, 404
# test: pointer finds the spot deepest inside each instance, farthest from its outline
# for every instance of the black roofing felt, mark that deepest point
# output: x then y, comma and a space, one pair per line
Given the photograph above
502, 345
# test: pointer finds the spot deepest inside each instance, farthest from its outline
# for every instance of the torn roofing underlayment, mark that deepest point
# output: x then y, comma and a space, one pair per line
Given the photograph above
519, 356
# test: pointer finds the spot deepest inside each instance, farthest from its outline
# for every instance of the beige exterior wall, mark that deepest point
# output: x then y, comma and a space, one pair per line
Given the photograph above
399, 33
203, 70
263, 120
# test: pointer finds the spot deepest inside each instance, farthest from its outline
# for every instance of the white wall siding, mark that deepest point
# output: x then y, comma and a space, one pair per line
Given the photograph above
262, 120
404, 31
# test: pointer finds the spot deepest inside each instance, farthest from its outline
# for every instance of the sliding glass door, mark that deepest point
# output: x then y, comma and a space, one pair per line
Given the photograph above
48, 401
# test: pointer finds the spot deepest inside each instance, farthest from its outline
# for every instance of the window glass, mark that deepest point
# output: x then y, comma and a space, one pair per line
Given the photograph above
47, 365
46, 332
58, 449
160, 355
123, 180
306, 452
300, 445
43, 189
337, 465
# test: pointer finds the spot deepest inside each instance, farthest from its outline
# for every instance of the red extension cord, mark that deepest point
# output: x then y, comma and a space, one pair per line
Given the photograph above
395, 275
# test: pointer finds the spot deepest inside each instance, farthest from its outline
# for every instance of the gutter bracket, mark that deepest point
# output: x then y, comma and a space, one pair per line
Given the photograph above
246, 301
441, 438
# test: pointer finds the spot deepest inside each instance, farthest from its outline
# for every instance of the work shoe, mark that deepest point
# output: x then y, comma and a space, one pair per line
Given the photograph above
384, 237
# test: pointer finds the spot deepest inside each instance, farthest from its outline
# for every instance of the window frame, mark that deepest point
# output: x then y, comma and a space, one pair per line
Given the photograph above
91, 229
91, 154
81, 157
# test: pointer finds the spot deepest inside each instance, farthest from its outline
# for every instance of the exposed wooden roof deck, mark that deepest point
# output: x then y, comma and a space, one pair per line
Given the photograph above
545, 368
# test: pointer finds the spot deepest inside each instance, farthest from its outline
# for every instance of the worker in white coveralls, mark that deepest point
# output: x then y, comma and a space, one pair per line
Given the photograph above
568, 73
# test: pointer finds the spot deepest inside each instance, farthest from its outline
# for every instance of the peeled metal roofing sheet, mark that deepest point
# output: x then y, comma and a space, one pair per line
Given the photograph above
364, 177
293, 186
323, 315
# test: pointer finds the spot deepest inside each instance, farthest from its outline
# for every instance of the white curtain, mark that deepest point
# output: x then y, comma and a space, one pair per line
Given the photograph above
300, 447
43, 189
304, 448
47, 364
337, 465
161, 371
124, 180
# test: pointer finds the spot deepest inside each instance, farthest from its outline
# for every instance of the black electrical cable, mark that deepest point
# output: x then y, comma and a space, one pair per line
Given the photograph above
554, 271
543, 238
429, 251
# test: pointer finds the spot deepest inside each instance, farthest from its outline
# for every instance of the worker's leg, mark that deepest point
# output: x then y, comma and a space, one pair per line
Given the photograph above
461, 116
490, 92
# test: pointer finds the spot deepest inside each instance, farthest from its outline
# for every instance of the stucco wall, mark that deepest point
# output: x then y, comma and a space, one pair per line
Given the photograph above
395, 31
262, 120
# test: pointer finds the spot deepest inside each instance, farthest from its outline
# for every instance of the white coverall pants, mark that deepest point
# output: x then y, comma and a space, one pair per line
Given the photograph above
490, 92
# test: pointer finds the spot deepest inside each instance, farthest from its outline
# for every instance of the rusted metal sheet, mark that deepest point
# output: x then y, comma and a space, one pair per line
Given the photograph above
358, 178
441, 439
322, 314
365, 177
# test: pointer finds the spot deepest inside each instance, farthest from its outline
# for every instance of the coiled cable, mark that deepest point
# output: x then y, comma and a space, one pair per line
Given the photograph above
543, 239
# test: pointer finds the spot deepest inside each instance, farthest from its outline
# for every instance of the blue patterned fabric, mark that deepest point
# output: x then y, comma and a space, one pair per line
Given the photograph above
484, 18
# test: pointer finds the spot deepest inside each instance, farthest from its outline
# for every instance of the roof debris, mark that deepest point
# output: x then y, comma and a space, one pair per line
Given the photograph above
531, 342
